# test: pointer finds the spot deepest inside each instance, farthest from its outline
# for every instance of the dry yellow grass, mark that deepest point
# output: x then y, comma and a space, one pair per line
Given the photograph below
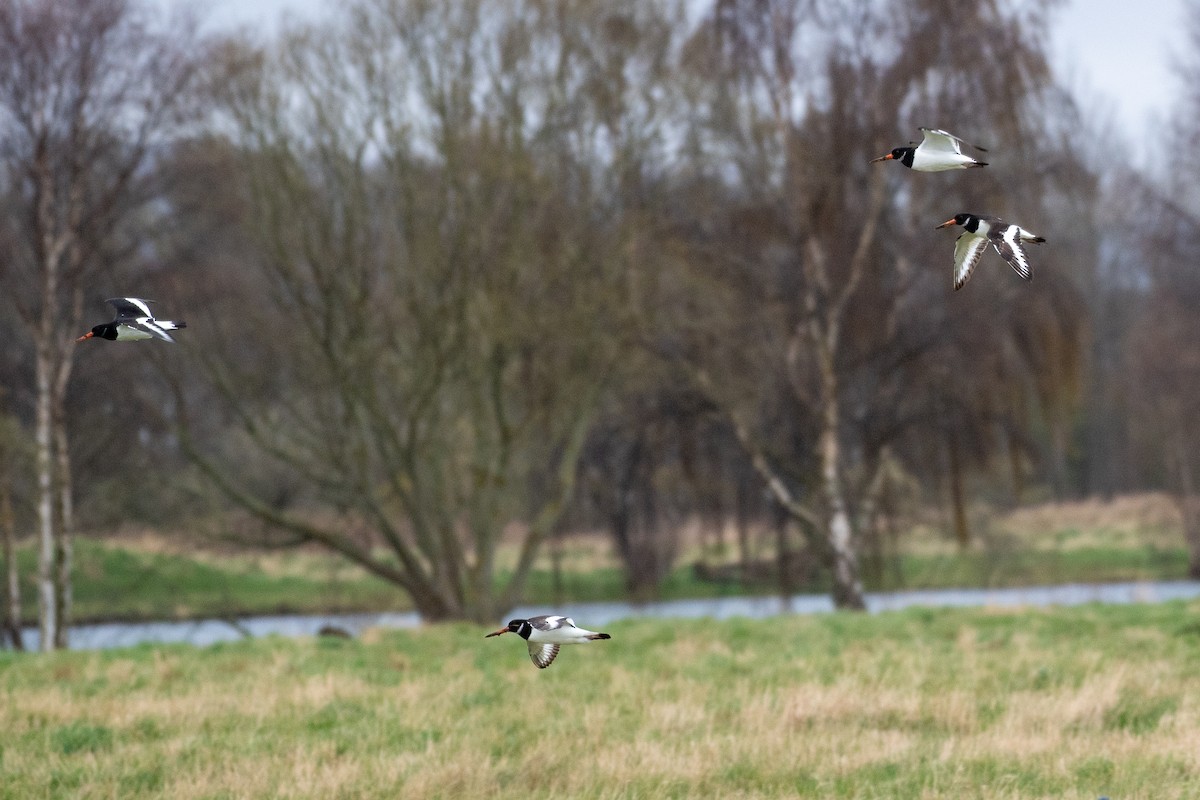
1139, 520
1126, 521
1073, 703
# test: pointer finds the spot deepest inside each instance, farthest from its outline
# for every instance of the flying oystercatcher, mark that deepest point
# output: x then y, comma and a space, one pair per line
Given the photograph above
979, 232
134, 321
938, 152
544, 635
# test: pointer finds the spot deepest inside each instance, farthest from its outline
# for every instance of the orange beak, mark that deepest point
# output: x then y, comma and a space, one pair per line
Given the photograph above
87, 335
888, 157
945, 224
497, 633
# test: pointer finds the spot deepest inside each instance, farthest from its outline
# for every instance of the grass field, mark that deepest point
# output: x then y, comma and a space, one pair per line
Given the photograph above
1069, 704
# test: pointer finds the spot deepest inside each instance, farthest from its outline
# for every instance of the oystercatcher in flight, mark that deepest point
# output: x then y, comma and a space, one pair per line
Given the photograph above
544, 635
979, 232
938, 152
134, 321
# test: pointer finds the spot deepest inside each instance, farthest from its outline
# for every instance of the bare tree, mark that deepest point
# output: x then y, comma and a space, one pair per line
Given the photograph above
438, 204
820, 319
1160, 363
641, 479
88, 92
1162, 358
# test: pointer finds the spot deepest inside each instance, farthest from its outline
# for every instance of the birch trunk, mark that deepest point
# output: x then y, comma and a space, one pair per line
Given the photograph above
847, 577
48, 614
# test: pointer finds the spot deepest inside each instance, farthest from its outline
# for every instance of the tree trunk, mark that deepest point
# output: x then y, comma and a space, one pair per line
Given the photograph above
1189, 507
48, 616
1058, 459
847, 578
958, 503
836, 528
8, 541
64, 547
742, 510
1016, 469
783, 555
55, 508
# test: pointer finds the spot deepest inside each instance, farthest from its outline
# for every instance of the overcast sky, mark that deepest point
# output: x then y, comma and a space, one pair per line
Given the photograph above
1118, 56
1115, 54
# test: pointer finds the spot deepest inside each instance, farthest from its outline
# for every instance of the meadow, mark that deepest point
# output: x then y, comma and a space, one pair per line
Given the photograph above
1071, 704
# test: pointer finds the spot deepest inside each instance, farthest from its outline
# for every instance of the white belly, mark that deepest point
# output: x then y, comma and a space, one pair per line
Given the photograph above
128, 334
939, 161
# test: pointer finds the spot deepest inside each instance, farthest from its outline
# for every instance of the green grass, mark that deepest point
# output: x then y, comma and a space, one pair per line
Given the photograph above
123, 582
112, 582
972, 569
1037, 567
1066, 703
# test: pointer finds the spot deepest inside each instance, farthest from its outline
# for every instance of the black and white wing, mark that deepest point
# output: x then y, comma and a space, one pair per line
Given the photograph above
968, 249
130, 308
543, 654
937, 139
151, 326
1008, 245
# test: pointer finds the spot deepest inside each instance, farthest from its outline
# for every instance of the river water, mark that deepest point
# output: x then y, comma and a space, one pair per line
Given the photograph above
210, 631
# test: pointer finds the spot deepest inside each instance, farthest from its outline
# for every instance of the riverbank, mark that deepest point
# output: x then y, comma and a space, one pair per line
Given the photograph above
116, 583
147, 577
214, 631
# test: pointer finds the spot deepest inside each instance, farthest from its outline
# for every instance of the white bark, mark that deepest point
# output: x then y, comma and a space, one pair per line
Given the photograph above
48, 615
847, 579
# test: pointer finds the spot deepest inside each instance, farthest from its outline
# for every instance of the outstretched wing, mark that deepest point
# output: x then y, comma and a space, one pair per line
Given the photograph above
937, 139
550, 622
1010, 249
542, 655
967, 251
129, 308
153, 327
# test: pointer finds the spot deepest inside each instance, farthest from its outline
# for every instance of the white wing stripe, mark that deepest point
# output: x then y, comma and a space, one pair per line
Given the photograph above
140, 304
1015, 254
150, 325
967, 250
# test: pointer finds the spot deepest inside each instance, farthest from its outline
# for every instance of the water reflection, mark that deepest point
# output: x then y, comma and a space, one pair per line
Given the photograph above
211, 631
757, 607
